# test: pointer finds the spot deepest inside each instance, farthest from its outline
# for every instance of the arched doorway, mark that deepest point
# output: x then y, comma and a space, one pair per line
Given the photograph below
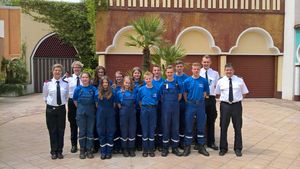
49, 51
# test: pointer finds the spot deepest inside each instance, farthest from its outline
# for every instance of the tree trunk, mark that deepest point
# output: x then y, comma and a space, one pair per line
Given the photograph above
146, 59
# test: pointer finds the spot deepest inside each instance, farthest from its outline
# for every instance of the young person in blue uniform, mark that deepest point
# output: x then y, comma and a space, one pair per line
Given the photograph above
232, 90
170, 92
180, 76
74, 81
195, 90
100, 71
138, 82
85, 100
117, 85
148, 97
127, 103
157, 81
212, 77
105, 118
55, 94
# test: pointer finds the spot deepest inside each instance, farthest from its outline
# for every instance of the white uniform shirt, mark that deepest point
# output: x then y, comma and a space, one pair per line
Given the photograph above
238, 87
213, 77
72, 84
49, 92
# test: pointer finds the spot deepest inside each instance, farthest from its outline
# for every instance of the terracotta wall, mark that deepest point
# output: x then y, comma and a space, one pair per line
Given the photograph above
12, 32
224, 27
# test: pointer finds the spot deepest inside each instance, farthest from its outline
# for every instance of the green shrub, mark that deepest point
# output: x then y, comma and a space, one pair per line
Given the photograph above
19, 89
15, 71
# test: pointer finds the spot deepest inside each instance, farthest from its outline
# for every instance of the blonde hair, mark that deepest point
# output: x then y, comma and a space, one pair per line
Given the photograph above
148, 74
131, 83
77, 63
196, 64
57, 65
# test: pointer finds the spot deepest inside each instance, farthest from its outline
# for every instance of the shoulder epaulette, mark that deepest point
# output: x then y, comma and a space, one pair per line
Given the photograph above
46, 81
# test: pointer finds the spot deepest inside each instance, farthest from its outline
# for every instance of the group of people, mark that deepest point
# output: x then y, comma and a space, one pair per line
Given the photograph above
143, 111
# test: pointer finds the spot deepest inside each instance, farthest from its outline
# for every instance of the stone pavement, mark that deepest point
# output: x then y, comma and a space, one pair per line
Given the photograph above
271, 137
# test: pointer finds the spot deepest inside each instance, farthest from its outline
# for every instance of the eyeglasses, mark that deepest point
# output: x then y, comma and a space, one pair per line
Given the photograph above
77, 67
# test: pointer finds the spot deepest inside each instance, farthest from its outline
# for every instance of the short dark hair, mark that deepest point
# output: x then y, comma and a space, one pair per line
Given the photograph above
228, 65
179, 62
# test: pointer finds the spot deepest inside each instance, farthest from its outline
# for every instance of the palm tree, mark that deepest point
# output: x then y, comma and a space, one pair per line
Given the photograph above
149, 33
167, 53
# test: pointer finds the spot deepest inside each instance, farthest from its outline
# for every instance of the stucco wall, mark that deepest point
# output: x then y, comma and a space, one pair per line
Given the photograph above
32, 32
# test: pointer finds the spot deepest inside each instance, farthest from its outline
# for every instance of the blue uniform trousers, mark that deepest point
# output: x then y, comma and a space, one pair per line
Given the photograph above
195, 108
117, 141
170, 123
86, 122
181, 120
139, 135
158, 130
127, 124
106, 126
148, 122
85, 118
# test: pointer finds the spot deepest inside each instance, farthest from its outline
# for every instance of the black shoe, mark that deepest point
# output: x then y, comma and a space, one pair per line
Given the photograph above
176, 152
222, 152
90, 154
108, 156
125, 153
102, 156
74, 149
202, 150
95, 150
116, 151
159, 148
82, 154
196, 147
238, 153
53, 156
165, 152
213, 146
139, 149
187, 151
151, 153
145, 154
60, 156
132, 152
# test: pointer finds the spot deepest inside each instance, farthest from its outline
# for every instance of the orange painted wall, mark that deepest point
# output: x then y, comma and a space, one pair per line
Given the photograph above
12, 31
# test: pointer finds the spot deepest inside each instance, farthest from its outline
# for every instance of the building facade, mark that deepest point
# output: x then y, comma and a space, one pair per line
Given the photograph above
247, 33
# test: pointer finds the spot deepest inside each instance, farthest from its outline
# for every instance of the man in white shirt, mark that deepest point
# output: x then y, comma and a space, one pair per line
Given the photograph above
74, 81
212, 78
232, 90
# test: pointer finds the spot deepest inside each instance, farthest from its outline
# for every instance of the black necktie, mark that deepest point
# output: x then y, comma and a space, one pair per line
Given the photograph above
58, 98
206, 76
230, 91
78, 82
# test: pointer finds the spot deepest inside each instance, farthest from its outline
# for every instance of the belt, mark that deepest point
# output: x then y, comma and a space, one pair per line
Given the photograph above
230, 102
194, 101
149, 106
210, 96
55, 107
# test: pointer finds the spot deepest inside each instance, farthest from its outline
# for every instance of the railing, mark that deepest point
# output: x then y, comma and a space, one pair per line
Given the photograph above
273, 6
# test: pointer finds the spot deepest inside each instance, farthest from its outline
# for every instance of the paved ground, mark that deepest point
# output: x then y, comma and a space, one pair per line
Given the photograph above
271, 135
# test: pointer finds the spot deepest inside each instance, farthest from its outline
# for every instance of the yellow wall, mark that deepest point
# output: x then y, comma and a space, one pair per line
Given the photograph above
252, 43
195, 42
120, 46
32, 32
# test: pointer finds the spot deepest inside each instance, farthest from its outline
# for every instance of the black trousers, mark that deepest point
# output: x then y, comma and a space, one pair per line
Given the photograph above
233, 111
56, 123
211, 115
72, 120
